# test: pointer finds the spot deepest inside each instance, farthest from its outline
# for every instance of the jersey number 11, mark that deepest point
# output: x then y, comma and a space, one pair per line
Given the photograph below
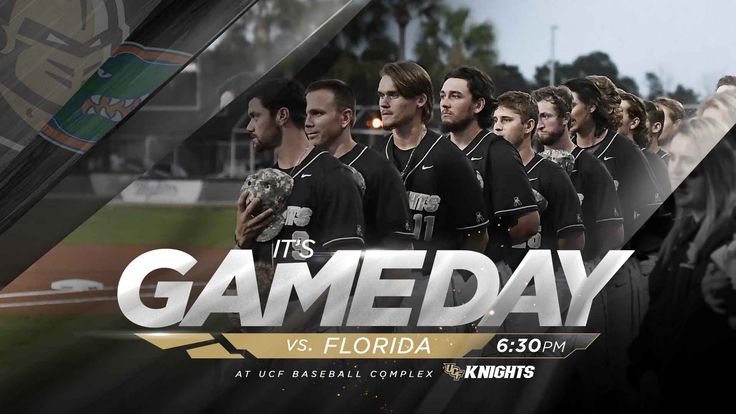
429, 220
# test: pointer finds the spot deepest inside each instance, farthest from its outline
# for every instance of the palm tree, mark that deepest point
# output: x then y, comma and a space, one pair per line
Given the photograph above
404, 10
450, 39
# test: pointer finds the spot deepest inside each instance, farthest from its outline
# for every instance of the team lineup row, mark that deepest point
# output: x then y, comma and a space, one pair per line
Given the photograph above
480, 185
594, 179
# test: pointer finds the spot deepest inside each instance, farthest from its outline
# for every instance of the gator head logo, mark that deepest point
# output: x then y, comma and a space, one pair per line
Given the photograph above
49, 48
454, 371
110, 108
114, 91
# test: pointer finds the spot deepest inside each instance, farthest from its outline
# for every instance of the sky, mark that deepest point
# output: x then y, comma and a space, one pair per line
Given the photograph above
683, 41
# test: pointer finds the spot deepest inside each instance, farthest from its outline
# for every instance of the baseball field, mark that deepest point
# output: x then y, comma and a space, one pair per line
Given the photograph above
34, 318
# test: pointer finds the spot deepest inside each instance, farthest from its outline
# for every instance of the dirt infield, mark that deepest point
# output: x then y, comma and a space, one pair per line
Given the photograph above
31, 292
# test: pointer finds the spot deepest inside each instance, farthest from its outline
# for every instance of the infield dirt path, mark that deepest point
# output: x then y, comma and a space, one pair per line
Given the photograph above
31, 292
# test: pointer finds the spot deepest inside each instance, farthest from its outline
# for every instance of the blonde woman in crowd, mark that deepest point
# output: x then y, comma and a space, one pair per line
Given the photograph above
682, 339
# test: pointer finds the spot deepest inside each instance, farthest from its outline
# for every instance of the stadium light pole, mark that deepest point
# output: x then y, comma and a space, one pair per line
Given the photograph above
552, 30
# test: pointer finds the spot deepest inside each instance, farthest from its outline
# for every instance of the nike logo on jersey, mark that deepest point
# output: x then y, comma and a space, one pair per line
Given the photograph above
426, 167
608, 158
475, 158
306, 175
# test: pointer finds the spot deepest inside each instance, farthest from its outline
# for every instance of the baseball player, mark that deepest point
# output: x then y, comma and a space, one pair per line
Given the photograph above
561, 227
593, 183
445, 199
590, 122
324, 211
467, 105
330, 117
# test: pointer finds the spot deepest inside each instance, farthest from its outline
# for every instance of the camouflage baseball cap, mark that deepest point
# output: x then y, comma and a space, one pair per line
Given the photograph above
358, 178
562, 158
542, 202
273, 187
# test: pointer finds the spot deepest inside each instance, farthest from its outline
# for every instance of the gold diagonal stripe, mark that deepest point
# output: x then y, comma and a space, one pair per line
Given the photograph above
174, 340
213, 351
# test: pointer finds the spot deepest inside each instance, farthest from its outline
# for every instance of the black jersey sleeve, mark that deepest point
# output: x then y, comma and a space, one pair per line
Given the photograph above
637, 189
599, 185
340, 208
510, 191
567, 215
659, 168
461, 191
391, 202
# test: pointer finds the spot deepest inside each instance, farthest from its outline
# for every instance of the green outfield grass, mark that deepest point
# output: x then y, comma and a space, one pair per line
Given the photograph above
24, 331
196, 226
43, 353
46, 348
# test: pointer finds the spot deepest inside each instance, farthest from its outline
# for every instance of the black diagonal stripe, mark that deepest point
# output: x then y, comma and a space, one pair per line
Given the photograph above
34, 234
178, 26
174, 25
651, 217
34, 89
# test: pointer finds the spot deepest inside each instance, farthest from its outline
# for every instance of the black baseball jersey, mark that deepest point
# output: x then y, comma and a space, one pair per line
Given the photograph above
385, 203
635, 184
597, 196
324, 206
664, 155
562, 213
506, 188
445, 200
659, 168
649, 239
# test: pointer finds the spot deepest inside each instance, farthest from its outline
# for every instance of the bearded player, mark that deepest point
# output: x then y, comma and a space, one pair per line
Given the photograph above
324, 211
467, 103
593, 183
445, 198
561, 227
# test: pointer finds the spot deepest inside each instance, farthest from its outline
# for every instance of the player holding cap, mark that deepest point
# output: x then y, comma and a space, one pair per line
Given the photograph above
324, 211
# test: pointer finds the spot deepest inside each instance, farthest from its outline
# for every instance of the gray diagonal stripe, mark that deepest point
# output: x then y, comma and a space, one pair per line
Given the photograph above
34, 233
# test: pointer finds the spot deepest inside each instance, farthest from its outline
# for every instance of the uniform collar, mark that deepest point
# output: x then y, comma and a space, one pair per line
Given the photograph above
481, 136
536, 160
306, 162
356, 152
419, 153
604, 145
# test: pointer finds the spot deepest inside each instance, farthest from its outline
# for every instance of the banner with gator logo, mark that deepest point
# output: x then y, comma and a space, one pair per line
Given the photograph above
171, 36
48, 50
295, 53
127, 78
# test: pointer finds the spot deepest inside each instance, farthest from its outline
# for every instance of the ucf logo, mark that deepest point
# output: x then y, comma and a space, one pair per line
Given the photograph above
453, 371
53, 47
300, 216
